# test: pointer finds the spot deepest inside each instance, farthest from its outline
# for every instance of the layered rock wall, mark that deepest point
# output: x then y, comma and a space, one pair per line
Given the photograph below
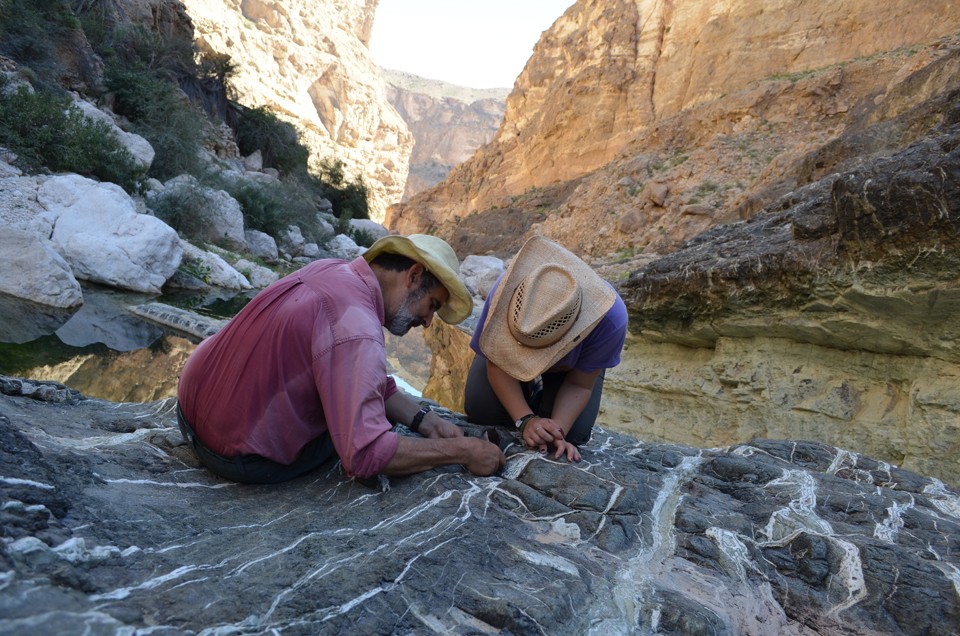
829, 315
448, 124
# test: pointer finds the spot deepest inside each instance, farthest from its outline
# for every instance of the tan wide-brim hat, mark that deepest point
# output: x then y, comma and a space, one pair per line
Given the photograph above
440, 260
546, 303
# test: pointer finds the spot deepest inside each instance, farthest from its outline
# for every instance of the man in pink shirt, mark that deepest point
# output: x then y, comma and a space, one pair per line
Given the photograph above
299, 376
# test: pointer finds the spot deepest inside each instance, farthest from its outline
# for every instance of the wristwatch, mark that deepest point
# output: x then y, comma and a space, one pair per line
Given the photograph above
523, 420
418, 419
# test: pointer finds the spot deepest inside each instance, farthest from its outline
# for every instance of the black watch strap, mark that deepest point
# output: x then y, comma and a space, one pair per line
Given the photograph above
418, 419
523, 420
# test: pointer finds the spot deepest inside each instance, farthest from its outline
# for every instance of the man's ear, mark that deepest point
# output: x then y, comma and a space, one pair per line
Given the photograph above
414, 275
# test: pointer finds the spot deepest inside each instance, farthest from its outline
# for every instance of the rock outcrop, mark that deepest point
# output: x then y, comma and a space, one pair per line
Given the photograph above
711, 104
448, 124
109, 525
833, 311
307, 60
829, 315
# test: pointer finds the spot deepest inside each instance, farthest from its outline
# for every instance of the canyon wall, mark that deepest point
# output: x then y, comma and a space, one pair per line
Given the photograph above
448, 122
637, 125
829, 315
308, 62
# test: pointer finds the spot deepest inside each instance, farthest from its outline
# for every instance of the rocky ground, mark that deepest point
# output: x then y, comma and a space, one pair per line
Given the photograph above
109, 526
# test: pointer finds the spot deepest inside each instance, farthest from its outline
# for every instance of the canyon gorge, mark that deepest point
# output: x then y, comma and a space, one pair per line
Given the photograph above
774, 191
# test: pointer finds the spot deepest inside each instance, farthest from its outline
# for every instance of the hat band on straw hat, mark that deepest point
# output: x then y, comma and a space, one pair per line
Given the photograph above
544, 306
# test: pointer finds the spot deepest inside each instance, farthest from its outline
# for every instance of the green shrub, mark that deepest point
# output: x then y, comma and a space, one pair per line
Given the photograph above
174, 127
183, 208
349, 198
277, 140
31, 32
270, 206
46, 132
362, 237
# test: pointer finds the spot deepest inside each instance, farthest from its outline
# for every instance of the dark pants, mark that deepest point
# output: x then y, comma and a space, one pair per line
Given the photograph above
255, 469
483, 406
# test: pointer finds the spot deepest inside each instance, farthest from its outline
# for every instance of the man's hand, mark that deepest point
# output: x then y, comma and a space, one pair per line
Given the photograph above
485, 458
415, 454
435, 427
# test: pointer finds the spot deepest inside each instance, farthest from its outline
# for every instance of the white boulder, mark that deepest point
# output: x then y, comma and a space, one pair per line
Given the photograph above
19, 206
258, 275
100, 234
212, 269
139, 147
342, 246
372, 228
480, 273
33, 270
261, 244
292, 241
222, 220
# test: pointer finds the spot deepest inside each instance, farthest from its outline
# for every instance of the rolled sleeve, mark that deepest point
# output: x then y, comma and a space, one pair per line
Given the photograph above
352, 381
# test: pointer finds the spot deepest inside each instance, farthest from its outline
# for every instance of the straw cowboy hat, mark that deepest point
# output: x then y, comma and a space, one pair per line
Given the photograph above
546, 302
440, 260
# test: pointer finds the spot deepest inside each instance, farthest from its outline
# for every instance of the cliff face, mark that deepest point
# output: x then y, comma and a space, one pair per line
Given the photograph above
449, 123
307, 60
629, 113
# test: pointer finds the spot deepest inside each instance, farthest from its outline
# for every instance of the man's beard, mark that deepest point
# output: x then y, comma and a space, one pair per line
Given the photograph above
403, 320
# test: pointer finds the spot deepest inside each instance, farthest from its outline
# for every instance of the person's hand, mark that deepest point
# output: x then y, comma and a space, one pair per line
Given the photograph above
435, 427
484, 458
571, 451
542, 433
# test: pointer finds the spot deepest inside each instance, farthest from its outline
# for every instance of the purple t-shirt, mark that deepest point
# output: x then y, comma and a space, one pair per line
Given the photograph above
599, 350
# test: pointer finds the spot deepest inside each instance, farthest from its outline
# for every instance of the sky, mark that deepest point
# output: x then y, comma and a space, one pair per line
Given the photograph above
472, 43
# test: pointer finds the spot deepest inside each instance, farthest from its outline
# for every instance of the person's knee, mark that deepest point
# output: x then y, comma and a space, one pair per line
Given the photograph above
579, 437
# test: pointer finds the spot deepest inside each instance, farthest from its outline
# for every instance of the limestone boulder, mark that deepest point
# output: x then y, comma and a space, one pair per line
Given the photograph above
35, 271
258, 275
212, 269
342, 246
19, 207
139, 148
291, 241
100, 234
374, 229
480, 273
261, 244
221, 219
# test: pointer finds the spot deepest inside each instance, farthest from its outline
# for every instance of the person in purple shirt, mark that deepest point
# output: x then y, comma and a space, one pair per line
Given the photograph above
298, 377
548, 331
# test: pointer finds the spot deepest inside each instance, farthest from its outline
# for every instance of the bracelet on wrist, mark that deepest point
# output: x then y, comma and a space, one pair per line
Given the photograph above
418, 419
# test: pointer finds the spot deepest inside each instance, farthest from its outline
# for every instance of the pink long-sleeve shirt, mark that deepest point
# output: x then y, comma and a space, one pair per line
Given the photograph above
304, 357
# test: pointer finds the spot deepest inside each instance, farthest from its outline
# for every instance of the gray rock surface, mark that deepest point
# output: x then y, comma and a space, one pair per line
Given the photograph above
109, 526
